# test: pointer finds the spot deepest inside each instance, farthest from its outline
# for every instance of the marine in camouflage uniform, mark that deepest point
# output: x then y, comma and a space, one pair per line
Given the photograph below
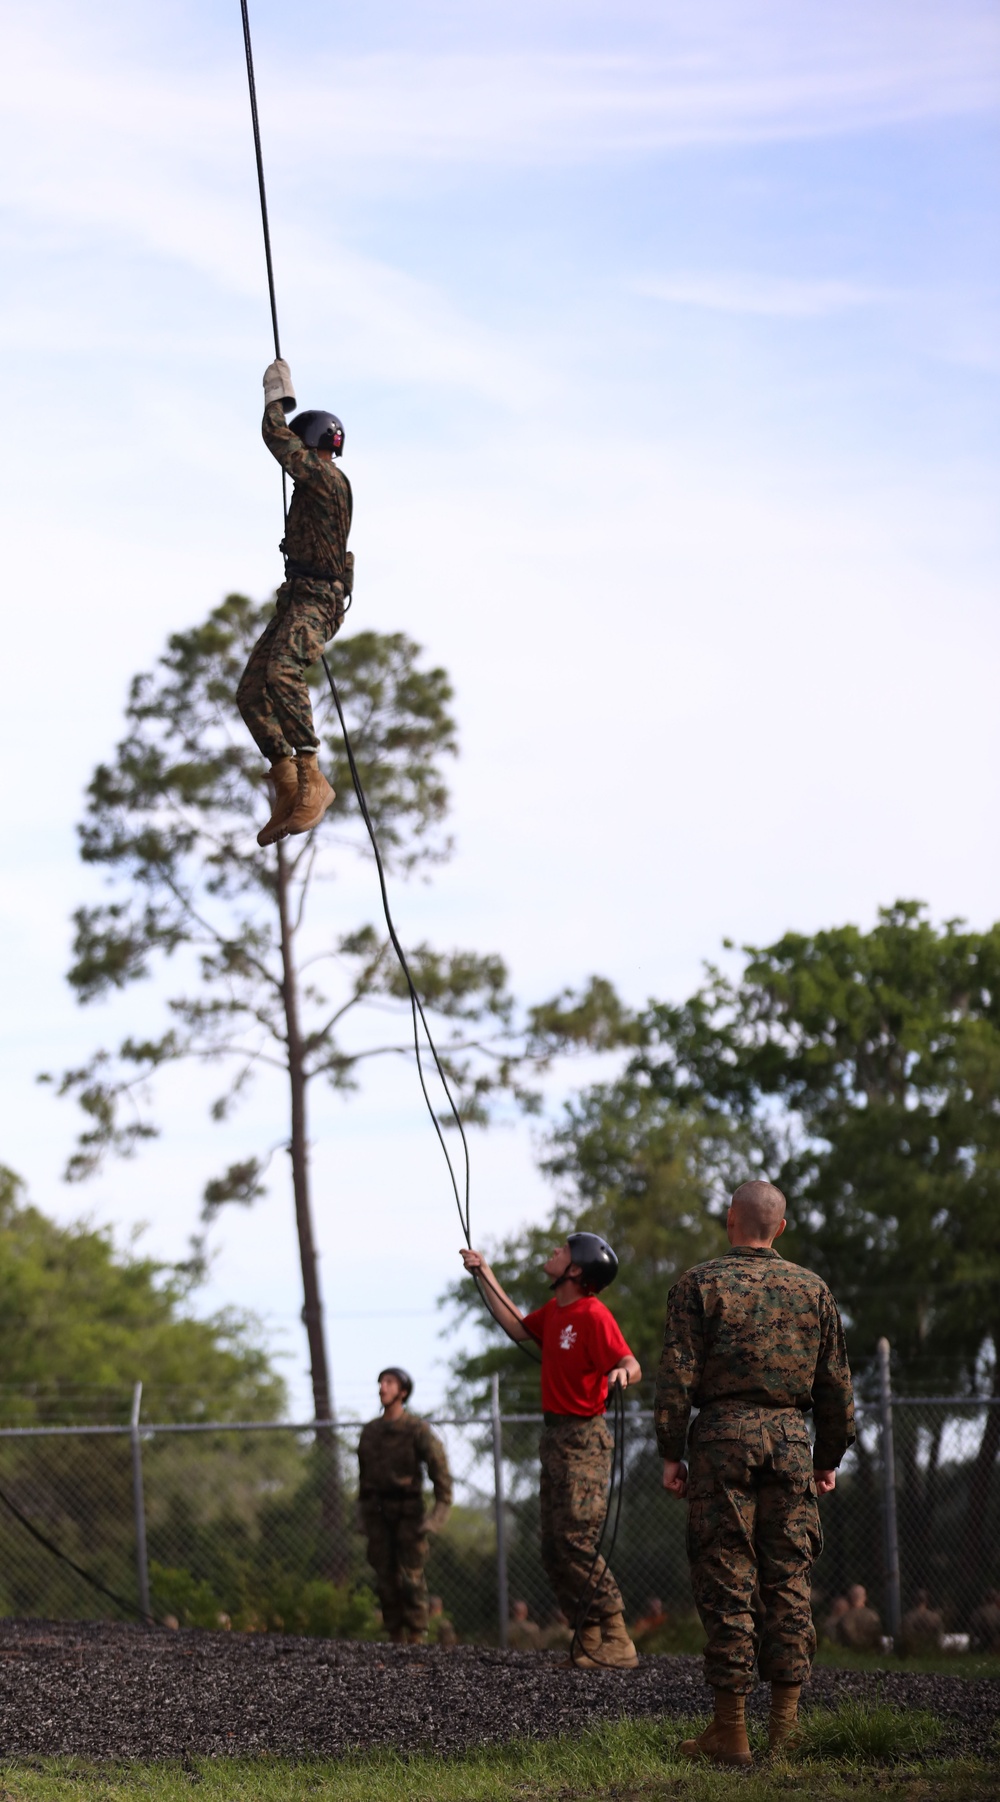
392, 1455
754, 1343
273, 695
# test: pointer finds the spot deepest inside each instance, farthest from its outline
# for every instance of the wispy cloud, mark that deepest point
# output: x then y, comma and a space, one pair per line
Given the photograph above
772, 297
733, 71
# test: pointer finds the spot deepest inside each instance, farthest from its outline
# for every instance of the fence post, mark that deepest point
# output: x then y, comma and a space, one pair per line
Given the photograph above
503, 1609
139, 1505
889, 1489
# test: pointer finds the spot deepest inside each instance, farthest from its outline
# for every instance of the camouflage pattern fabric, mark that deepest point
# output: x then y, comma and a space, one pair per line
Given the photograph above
754, 1343
441, 1631
392, 1456
397, 1553
524, 1636
985, 1626
273, 695
319, 516
753, 1535
575, 1454
749, 1327
860, 1629
920, 1631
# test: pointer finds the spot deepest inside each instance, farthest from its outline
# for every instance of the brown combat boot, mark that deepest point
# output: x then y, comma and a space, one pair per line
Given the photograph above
617, 1649
606, 1646
283, 781
314, 795
783, 1722
724, 1740
586, 1647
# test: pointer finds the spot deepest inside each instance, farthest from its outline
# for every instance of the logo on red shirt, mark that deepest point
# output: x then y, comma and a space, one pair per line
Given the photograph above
589, 1342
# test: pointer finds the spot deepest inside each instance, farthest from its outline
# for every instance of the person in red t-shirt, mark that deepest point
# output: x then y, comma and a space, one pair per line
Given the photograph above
582, 1352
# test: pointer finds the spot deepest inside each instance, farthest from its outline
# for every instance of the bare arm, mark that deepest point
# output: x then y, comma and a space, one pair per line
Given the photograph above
497, 1300
626, 1371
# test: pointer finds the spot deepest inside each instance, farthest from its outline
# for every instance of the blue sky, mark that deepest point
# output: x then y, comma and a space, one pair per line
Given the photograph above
666, 340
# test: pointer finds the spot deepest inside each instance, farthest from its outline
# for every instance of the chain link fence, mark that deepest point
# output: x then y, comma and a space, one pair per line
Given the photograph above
254, 1525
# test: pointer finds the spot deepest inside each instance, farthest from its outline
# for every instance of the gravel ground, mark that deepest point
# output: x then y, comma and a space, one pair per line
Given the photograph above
106, 1691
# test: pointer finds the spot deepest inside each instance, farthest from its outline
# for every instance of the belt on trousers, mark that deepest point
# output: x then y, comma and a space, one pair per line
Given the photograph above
552, 1420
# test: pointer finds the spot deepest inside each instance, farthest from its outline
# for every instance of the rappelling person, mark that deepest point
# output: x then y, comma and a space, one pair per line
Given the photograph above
273, 695
393, 1452
583, 1351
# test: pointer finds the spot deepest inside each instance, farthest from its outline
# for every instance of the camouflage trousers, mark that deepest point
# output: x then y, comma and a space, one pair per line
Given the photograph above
576, 1467
753, 1535
397, 1553
273, 695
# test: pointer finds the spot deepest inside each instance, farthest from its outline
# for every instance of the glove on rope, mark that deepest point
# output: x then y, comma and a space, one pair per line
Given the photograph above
278, 385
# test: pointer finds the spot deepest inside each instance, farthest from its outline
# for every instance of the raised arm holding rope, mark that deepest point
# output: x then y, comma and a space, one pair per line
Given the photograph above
583, 1353
273, 695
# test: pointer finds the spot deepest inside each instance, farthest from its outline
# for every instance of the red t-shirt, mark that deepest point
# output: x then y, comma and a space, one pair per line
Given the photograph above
579, 1345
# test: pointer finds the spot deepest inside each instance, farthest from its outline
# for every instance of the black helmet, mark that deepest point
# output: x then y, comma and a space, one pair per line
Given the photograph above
597, 1261
319, 431
402, 1377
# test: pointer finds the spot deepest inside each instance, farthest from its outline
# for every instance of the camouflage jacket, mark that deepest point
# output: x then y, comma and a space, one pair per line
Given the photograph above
391, 1454
319, 517
751, 1329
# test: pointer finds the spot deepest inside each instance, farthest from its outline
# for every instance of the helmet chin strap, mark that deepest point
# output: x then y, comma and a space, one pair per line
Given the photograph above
565, 1278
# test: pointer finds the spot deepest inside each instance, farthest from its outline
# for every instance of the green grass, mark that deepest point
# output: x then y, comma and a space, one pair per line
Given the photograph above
855, 1754
867, 1732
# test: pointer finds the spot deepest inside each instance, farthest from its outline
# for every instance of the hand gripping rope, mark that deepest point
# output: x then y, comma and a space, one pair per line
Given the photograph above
461, 1193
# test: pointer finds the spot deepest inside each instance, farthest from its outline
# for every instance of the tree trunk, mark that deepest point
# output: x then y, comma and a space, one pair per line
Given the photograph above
333, 1553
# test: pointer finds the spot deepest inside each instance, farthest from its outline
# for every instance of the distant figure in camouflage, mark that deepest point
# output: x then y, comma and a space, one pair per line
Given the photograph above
859, 1627
582, 1352
523, 1634
440, 1630
921, 1628
753, 1342
273, 695
984, 1627
392, 1454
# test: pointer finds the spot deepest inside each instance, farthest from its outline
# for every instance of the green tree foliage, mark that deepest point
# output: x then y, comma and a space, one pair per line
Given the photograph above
860, 1072
81, 1322
867, 1066
260, 984
653, 1179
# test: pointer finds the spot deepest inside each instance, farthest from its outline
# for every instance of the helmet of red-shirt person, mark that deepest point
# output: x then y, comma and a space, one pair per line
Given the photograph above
597, 1261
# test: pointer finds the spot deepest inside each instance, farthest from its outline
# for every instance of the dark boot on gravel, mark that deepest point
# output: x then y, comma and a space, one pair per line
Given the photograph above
783, 1722
724, 1740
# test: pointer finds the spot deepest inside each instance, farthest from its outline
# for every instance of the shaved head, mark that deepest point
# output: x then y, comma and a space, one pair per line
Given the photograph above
758, 1211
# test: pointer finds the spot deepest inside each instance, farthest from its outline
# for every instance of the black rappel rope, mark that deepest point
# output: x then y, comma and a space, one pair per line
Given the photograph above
416, 1006
64, 1558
